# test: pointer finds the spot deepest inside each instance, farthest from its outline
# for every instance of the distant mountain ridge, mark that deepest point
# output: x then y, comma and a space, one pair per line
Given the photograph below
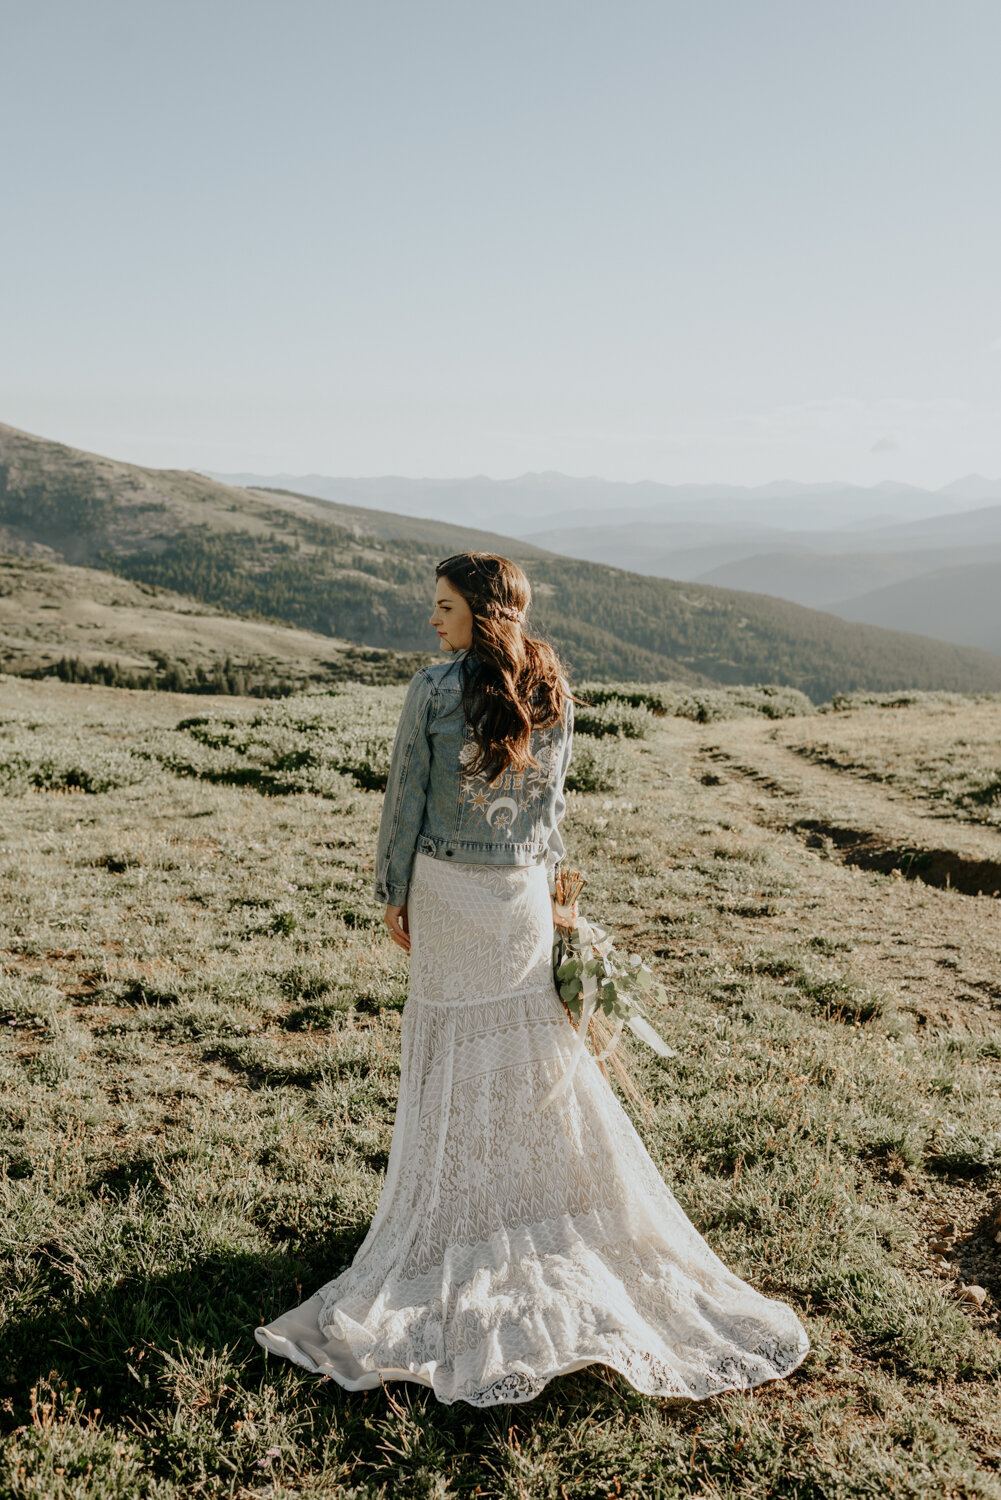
960, 603
823, 545
834, 582
533, 502
366, 577
857, 573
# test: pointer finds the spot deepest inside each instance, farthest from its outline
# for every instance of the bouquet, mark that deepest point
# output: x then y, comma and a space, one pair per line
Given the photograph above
601, 991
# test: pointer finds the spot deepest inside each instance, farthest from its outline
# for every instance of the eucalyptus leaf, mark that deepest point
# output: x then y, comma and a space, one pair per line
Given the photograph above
617, 984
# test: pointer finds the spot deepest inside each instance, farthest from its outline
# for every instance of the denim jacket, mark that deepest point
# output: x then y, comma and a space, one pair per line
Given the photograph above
435, 805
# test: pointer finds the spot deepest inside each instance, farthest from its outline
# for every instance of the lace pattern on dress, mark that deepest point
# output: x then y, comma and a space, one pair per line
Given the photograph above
512, 1243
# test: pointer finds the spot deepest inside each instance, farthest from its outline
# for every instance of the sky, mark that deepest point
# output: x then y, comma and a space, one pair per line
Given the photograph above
683, 240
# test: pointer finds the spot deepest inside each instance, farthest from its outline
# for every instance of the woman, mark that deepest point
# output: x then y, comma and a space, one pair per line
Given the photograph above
514, 1240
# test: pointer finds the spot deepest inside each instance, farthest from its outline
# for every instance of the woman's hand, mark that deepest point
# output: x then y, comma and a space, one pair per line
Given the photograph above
396, 921
564, 916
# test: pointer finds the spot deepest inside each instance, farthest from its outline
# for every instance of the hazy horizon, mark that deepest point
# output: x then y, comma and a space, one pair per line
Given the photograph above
776, 482
649, 242
962, 489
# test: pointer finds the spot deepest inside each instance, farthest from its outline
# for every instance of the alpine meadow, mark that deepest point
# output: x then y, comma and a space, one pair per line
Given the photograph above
794, 820
500, 750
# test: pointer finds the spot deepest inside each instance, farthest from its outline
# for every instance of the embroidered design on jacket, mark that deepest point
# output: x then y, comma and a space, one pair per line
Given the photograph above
498, 803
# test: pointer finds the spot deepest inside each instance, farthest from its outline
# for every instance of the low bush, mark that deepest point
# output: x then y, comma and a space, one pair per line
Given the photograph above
704, 705
613, 717
83, 767
597, 766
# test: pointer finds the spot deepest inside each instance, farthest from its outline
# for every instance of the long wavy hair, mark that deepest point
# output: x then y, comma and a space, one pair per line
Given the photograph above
512, 683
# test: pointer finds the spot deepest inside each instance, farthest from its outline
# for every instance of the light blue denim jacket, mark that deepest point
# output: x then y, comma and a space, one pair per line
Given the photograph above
435, 805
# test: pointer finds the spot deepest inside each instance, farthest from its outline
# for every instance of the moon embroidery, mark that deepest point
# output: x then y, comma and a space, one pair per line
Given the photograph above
496, 806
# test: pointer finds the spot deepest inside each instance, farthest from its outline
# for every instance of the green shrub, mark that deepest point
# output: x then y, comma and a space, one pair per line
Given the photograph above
309, 742
596, 766
961, 1152
613, 717
841, 999
77, 768
988, 795
704, 705
905, 698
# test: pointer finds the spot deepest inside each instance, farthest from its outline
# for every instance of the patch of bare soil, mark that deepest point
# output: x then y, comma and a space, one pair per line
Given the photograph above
751, 749
864, 824
867, 850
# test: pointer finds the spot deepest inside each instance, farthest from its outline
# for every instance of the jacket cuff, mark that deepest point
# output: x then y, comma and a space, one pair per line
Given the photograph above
391, 895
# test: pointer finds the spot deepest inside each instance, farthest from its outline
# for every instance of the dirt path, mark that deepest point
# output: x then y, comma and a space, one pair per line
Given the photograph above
866, 824
873, 870
928, 942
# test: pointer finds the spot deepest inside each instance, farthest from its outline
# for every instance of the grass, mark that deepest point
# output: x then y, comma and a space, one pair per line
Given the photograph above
940, 748
200, 1023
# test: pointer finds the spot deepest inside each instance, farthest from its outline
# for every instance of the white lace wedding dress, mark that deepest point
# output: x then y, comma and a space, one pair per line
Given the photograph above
513, 1243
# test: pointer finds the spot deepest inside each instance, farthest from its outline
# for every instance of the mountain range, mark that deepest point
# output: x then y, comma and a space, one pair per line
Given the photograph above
907, 575
365, 576
532, 502
888, 554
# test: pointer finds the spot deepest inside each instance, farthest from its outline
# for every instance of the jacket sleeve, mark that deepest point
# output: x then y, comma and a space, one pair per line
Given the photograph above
406, 792
556, 852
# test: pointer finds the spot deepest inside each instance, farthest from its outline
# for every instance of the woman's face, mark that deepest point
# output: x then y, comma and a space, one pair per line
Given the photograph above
452, 618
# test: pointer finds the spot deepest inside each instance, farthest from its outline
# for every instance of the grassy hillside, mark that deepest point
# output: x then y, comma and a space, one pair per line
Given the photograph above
341, 571
200, 1023
86, 625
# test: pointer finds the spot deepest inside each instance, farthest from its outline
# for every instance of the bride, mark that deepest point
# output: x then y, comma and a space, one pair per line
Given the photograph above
514, 1239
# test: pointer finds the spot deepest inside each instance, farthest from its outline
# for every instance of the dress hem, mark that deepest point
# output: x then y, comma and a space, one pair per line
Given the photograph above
286, 1349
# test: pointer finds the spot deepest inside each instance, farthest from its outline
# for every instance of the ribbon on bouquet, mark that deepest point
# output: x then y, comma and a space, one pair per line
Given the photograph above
589, 992
593, 940
646, 1033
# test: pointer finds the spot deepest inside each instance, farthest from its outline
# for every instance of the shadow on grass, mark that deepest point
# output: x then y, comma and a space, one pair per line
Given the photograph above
866, 850
172, 1358
97, 1341
260, 1070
